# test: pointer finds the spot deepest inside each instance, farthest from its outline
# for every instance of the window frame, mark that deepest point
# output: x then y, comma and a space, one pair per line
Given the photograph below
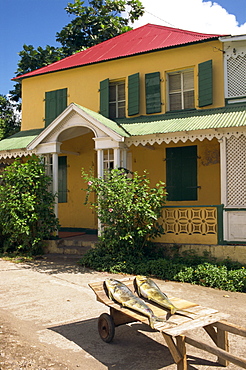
182, 90
117, 100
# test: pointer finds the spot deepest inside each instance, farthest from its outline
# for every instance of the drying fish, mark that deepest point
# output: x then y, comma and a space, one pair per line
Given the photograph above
147, 288
120, 293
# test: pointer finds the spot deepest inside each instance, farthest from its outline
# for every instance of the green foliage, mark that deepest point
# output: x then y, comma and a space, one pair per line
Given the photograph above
31, 59
128, 209
26, 207
9, 121
92, 24
187, 267
97, 22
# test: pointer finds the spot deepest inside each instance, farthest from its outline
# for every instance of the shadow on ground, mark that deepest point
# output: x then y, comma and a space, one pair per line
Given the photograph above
55, 263
130, 349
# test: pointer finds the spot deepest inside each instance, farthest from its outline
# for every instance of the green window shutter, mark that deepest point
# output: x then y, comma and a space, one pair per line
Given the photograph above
153, 92
55, 103
181, 173
61, 101
104, 97
205, 83
133, 94
62, 179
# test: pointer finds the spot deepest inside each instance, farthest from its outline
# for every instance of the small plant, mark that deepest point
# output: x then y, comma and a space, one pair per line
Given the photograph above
26, 207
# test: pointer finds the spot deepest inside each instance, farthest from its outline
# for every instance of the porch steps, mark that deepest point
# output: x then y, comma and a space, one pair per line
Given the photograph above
73, 245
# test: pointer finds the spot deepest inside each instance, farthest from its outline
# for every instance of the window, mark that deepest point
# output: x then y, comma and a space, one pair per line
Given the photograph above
181, 90
117, 99
55, 103
108, 159
113, 97
62, 179
181, 173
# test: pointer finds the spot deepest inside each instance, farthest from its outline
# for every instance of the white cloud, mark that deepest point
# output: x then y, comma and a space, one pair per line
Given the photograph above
193, 15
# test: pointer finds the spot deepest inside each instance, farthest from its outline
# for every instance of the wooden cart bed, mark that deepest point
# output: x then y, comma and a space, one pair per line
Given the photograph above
177, 328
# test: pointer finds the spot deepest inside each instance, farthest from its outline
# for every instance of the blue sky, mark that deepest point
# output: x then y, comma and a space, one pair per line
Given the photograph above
35, 22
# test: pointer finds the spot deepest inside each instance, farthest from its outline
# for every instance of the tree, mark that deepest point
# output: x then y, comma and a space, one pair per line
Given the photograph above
97, 22
9, 118
31, 59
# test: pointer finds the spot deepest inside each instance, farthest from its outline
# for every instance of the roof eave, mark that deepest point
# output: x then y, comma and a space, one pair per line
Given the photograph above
22, 77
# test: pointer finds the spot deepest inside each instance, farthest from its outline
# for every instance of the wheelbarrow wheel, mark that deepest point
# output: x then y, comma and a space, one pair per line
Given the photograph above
106, 327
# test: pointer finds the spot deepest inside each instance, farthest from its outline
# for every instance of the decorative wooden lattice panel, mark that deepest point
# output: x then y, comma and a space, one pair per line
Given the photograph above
190, 221
236, 74
236, 171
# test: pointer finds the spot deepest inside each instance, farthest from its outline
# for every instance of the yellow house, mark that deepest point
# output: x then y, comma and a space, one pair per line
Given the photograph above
150, 99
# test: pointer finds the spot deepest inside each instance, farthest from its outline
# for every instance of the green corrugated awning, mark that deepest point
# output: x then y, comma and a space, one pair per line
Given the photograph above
114, 126
229, 116
20, 140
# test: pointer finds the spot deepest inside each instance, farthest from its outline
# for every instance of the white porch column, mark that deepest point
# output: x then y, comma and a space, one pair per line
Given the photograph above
223, 177
55, 180
124, 158
99, 174
99, 163
117, 163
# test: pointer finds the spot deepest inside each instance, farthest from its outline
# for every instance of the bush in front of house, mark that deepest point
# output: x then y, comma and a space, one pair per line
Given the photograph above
129, 210
189, 268
26, 207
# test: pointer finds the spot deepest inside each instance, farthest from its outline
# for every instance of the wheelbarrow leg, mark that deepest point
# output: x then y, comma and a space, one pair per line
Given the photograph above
182, 364
178, 350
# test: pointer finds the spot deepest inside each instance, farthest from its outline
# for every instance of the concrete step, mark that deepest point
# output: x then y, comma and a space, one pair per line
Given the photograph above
69, 246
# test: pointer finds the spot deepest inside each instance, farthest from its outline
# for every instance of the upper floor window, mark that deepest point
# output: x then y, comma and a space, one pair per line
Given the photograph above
117, 99
181, 90
55, 103
113, 97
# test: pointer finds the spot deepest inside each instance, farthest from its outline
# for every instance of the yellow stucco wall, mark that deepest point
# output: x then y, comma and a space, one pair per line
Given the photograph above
152, 159
83, 82
74, 213
201, 219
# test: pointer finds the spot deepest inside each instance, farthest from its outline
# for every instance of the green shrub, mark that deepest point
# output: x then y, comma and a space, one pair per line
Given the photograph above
209, 274
128, 209
26, 207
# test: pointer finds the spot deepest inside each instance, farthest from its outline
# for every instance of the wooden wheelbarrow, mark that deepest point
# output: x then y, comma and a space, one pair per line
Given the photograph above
175, 329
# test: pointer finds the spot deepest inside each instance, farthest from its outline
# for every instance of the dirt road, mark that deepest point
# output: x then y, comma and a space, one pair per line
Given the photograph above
48, 320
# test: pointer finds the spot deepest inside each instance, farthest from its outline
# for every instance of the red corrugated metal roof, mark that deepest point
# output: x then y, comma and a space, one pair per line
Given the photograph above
140, 40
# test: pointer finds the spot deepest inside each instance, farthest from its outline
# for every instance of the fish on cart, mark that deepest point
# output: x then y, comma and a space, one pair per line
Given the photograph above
147, 288
120, 293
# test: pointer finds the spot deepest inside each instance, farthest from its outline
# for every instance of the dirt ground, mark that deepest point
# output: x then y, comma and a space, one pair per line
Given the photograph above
48, 320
